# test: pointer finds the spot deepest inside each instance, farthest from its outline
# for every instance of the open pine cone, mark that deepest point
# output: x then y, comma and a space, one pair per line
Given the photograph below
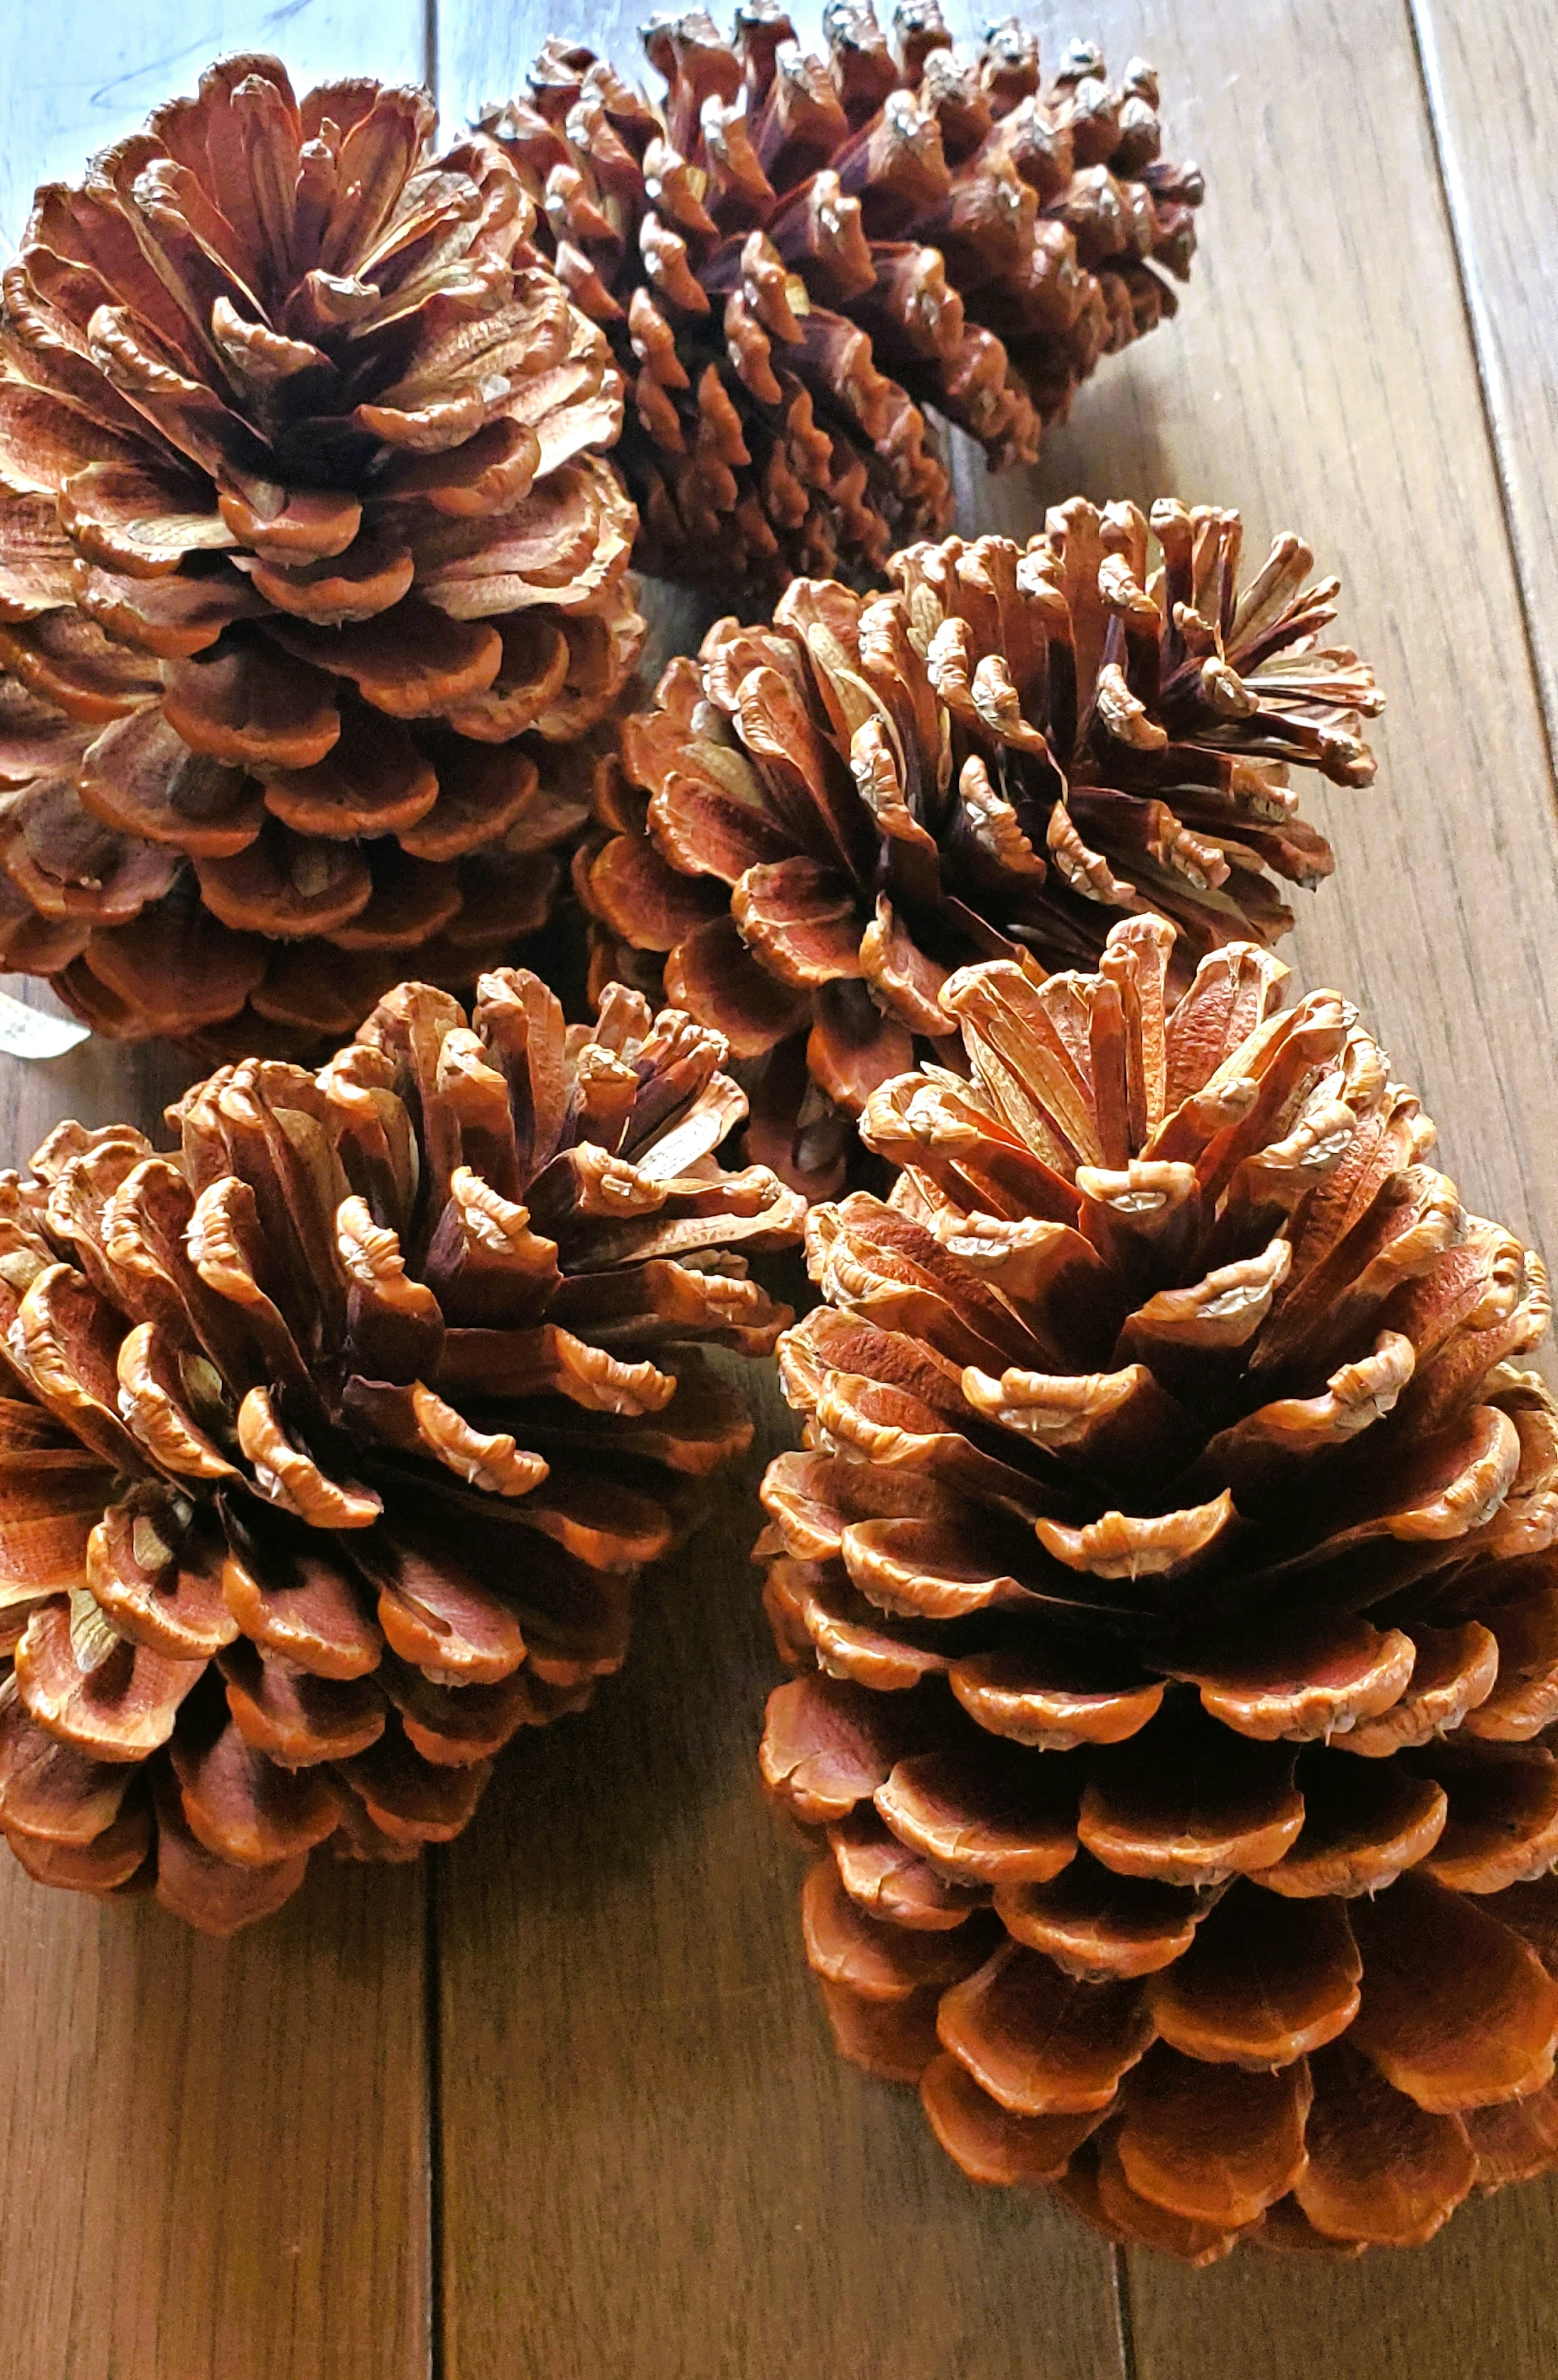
791, 258
823, 816
1172, 1568
332, 1448
307, 564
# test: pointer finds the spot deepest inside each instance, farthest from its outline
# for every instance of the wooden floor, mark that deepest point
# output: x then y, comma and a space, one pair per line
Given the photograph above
561, 2104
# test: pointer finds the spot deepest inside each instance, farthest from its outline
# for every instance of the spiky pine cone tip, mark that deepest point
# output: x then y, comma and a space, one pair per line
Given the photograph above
311, 566
1170, 1569
820, 819
792, 257
331, 1447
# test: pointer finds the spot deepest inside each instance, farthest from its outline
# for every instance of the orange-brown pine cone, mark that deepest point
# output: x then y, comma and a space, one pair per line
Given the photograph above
822, 818
308, 564
331, 1446
791, 258
1171, 1571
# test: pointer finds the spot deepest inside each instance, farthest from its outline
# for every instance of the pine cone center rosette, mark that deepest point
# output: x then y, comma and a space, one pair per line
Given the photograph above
791, 256
307, 563
1170, 1564
824, 817
332, 1447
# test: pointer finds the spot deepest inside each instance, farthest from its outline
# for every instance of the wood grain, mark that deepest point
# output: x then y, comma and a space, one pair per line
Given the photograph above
216, 2157
1488, 71
82, 73
655, 2167
639, 2118
215, 2154
1322, 377
1476, 2304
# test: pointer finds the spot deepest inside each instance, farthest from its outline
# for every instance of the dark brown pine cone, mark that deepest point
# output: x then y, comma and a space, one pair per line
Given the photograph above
791, 258
822, 817
308, 565
333, 1446
1172, 1570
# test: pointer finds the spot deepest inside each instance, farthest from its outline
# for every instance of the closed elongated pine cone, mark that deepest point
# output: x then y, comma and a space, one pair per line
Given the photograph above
309, 565
821, 818
1169, 1568
792, 257
331, 1446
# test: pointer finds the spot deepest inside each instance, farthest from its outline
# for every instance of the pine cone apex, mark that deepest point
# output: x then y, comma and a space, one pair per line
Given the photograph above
1170, 1570
332, 1445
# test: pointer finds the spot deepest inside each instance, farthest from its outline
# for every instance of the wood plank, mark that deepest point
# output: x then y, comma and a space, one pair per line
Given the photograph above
1478, 2304
1321, 377
1318, 378
654, 2166
1488, 72
82, 73
216, 2155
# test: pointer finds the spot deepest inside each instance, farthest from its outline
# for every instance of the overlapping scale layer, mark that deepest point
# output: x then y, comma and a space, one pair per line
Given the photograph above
311, 565
823, 816
1170, 1573
792, 256
332, 1445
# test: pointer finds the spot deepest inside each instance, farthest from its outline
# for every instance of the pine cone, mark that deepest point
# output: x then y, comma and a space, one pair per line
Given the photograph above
300, 529
332, 1447
790, 259
1172, 1566
1005, 753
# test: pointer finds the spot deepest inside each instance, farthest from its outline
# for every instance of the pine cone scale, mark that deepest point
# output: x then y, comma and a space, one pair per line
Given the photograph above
1211, 2005
1095, 1924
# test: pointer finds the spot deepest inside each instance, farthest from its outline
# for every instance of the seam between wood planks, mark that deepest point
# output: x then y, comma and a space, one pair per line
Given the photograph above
434, 1881
433, 2058
1125, 2320
1461, 248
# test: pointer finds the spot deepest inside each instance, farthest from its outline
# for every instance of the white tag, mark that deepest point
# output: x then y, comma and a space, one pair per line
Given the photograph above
28, 1033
